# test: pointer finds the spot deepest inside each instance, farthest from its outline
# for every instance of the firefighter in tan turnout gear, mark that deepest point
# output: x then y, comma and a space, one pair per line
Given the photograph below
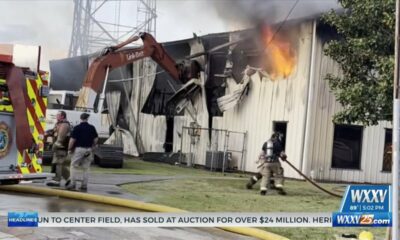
272, 152
61, 133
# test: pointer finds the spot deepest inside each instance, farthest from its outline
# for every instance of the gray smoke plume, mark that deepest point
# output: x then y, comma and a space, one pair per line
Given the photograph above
249, 13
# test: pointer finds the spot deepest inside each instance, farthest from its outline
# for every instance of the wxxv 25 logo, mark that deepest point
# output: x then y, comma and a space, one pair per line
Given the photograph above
365, 205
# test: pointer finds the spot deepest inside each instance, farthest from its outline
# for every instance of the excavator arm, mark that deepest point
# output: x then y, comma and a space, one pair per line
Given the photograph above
114, 57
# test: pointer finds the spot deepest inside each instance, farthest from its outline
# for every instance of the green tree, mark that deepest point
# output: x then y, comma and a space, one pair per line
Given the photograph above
365, 52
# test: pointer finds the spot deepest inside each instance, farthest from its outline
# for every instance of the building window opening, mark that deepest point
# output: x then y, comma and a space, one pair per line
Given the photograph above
346, 151
281, 127
387, 151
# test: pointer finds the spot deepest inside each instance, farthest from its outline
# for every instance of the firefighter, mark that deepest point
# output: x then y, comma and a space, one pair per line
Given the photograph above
270, 165
255, 178
60, 162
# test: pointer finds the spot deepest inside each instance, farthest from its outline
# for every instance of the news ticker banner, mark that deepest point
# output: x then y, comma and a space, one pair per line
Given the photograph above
362, 206
135, 219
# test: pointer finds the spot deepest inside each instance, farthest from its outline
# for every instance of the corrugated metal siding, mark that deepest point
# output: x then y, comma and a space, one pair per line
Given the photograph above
201, 145
324, 107
152, 129
268, 101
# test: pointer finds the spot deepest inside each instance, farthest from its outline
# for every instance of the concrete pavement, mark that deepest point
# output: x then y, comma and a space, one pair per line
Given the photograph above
102, 184
108, 184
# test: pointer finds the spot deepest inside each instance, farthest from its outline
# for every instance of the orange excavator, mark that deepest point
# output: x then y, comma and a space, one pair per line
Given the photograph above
92, 93
117, 56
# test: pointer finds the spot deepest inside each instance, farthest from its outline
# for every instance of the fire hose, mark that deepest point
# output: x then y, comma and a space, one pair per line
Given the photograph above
311, 181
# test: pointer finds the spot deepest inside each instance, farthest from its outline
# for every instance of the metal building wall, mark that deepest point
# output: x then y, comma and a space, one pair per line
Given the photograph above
201, 145
152, 129
278, 100
323, 108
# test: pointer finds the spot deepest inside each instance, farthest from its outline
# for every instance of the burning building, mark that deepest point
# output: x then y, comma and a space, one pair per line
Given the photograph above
270, 79
275, 81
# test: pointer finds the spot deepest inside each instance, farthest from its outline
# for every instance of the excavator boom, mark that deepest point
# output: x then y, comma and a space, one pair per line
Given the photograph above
114, 57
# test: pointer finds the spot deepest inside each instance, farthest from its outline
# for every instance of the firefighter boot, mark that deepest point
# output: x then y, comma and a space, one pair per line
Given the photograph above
253, 180
70, 186
281, 191
53, 183
263, 192
68, 182
271, 184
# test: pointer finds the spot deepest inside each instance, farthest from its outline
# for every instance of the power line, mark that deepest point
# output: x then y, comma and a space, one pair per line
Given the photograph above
283, 22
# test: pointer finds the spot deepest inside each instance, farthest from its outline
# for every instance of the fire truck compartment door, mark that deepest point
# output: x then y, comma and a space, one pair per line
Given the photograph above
8, 146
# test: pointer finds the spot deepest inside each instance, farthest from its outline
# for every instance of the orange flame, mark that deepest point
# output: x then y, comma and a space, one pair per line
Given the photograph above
280, 55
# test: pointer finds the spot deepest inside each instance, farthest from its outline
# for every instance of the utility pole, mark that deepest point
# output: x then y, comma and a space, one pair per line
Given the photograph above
396, 132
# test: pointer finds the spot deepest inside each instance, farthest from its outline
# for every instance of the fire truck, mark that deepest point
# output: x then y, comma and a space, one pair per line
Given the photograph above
23, 101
